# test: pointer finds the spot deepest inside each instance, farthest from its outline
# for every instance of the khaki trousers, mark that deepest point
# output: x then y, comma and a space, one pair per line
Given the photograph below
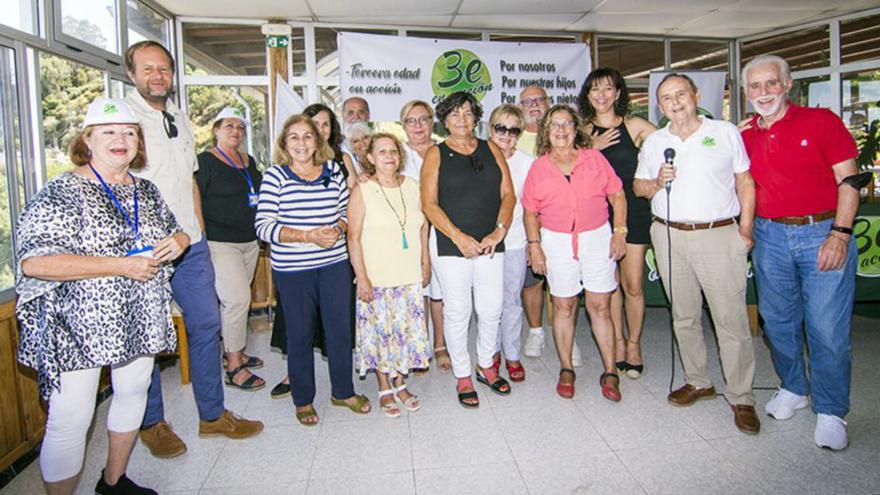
234, 266
713, 260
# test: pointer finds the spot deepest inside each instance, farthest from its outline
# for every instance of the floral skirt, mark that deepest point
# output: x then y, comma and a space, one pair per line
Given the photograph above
391, 336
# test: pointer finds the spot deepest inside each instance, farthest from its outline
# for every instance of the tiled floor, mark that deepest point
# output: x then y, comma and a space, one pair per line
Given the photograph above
530, 442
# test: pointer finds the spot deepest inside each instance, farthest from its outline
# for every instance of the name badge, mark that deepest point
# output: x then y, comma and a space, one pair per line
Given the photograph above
145, 251
253, 199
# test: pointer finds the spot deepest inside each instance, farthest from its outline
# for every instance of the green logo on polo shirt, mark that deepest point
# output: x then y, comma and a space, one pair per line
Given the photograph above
708, 141
866, 231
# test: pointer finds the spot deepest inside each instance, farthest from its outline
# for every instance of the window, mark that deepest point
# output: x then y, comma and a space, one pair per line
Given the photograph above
67, 89
633, 58
861, 99
805, 49
94, 22
205, 102
224, 49
145, 23
699, 55
9, 160
21, 15
860, 39
812, 92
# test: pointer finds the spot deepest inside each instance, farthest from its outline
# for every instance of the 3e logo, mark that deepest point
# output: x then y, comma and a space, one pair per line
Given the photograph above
867, 233
460, 70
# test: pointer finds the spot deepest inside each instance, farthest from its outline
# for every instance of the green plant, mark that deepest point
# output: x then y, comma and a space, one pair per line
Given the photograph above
868, 141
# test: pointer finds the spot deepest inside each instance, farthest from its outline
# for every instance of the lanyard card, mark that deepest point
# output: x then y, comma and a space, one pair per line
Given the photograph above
145, 251
253, 199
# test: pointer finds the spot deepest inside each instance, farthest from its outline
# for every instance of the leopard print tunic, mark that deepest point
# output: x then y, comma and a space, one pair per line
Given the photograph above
99, 321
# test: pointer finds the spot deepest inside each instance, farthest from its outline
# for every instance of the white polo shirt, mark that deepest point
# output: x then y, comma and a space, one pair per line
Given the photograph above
171, 162
704, 189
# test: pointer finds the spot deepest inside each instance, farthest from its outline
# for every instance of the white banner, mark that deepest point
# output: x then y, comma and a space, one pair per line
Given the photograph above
287, 103
389, 71
710, 84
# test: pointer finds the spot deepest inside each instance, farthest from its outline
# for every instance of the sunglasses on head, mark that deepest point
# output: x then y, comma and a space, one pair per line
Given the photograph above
170, 128
503, 129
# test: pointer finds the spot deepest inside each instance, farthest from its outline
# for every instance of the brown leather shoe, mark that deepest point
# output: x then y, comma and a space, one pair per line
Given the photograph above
231, 426
745, 419
162, 441
687, 395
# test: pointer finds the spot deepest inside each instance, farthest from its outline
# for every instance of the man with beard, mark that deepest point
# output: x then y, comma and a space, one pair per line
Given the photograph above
805, 257
171, 162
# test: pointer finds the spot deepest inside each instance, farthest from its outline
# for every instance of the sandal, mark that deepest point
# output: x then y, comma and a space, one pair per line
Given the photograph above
566, 390
357, 407
516, 373
389, 409
496, 362
253, 362
634, 371
468, 400
610, 391
249, 385
444, 364
498, 385
621, 366
412, 403
304, 417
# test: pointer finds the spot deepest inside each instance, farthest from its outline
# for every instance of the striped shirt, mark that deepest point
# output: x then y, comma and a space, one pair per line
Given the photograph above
287, 200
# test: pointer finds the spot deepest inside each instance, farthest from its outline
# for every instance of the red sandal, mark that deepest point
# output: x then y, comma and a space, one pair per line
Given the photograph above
566, 390
610, 390
516, 373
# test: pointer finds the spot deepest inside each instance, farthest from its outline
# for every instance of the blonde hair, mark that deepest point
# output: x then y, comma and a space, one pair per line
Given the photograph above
280, 156
408, 106
506, 110
370, 167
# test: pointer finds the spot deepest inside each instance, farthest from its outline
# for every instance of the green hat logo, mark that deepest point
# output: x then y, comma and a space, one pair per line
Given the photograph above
460, 70
109, 108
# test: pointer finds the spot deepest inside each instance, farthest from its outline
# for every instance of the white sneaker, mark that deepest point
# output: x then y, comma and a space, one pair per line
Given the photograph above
534, 344
783, 404
830, 432
576, 359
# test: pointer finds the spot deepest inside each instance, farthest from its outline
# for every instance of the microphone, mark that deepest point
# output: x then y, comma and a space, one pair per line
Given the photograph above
668, 157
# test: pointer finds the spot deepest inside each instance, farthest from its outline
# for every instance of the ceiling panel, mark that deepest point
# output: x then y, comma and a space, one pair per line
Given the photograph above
632, 23
505, 7
260, 9
427, 21
667, 6
352, 8
536, 22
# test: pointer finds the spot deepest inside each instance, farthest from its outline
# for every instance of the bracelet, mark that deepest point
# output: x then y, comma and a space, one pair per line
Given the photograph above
842, 230
620, 230
533, 241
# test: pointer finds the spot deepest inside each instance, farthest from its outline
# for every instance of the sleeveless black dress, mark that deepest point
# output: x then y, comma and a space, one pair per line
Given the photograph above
624, 158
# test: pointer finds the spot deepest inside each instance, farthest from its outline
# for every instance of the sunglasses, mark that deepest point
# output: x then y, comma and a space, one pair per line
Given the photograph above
502, 129
170, 128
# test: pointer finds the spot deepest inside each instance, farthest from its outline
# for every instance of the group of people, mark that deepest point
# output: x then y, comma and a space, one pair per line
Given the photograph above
373, 241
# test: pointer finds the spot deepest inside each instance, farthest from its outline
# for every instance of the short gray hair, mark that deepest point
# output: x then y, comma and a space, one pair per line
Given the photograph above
776, 60
357, 127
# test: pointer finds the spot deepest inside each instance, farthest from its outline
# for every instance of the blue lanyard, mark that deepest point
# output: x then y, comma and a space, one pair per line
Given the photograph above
242, 171
133, 225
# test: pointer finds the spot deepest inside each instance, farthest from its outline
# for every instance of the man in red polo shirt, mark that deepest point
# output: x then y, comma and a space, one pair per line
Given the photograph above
804, 255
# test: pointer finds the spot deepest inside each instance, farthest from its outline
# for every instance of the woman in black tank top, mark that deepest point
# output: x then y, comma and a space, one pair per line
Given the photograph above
468, 197
604, 104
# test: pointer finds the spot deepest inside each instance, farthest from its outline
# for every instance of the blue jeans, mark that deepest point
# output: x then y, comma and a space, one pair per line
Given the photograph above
192, 286
794, 295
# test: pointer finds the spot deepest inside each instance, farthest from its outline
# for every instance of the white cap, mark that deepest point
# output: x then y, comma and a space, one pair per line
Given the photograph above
109, 111
231, 113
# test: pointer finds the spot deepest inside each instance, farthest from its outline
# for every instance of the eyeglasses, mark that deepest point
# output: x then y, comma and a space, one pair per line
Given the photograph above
170, 128
502, 129
565, 124
538, 100
413, 122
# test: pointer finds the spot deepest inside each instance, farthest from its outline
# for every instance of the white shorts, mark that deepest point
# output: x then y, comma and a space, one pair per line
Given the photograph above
594, 271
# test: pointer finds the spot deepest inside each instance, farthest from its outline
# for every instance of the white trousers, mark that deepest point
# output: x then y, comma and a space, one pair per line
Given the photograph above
510, 330
71, 410
467, 282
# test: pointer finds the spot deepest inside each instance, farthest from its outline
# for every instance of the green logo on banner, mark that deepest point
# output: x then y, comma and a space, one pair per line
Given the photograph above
867, 233
460, 70
651, 262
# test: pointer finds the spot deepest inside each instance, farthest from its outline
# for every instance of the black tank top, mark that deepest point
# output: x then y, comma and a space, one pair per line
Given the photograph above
469, 195
623, 156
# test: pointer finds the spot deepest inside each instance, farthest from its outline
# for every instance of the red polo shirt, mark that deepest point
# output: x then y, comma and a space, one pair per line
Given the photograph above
791, 161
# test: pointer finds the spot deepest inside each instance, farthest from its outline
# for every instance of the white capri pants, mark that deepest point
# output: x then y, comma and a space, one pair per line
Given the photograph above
467, 282
234, 266
593, 271
71, 410
512, 310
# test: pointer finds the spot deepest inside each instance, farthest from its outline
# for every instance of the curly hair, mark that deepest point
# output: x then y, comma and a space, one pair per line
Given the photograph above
621, 105
280, 156
335, 139
454, 102
581, 138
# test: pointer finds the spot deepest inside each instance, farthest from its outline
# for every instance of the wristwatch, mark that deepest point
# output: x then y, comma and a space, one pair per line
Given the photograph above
842, 230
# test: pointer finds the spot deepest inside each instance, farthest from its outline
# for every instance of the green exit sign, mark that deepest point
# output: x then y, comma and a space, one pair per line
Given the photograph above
277, 41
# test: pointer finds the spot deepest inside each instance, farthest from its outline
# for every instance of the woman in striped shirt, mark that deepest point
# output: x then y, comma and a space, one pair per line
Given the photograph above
302, 214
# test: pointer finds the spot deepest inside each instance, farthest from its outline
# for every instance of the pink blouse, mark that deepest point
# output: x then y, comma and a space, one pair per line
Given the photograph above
575, 205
